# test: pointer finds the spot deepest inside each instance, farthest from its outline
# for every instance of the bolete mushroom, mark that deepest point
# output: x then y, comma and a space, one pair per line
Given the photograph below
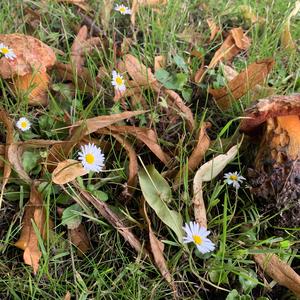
28, 70
276, 174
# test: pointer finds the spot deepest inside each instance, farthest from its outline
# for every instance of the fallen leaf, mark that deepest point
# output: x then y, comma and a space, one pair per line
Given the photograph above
28, 69
114, 220
157, 192
229, 72
287, 41
59, 153
67, 296
77, 50
213, 27
4, 117
68, 170
105, 13
255, 74
235, 42
14, 156
197, 154
206, 173
159, 62
80, 239
147, 136
137, 3
28, 241
133, 163
157, 249
279, 271
190, 35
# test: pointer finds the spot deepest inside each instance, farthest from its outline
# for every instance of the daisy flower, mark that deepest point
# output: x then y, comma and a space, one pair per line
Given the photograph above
123, 9
118, 81
198, 235
7, 52
23, 124
91, 158
234, 178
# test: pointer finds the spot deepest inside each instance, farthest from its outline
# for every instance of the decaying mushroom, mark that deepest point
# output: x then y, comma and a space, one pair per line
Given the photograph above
28, 71
276, 174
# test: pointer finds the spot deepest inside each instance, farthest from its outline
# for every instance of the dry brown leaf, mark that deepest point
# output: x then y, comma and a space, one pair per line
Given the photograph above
137, 3
235, 42
197, 154
213, 27
143, 76
280, 271
147, 136
206, 173
190, 35
287, 41
34, 86
4, 117
67, 171
28, 240
67, 296
114, 220
79, 3
77, 50
80, 239
157, 249
159, 62
105, 13
255, 74
133, 163
229, 73
59, 153
14, 155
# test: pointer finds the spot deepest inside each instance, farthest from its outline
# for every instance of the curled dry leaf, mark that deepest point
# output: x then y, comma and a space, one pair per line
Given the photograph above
279, 271
147, 136
206, 173
157, 249
114, 220
133, 163
77, 50
235, 42
28, 69
80, 239
4, 118
68, 170
143, 76
255, 74
198, 152
59, 153
28, 241
213, 27
287, 41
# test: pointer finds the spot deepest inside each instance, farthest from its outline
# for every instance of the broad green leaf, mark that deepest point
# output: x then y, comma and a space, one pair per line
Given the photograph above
30, 160
248, 280
179, 61
187, 94
162, 75
157, 192
71, 216
233, 295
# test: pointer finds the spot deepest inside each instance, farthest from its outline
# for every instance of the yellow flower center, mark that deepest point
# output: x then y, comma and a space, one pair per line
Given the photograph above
122, 9
233, 177
4, 50
119, 80
90, 158
24, 124
197, 239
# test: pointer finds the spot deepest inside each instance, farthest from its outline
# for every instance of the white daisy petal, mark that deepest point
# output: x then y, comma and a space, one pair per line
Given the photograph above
91, 158
7, 52
23, 123
122, 9
198, 235
234, 179
118, 81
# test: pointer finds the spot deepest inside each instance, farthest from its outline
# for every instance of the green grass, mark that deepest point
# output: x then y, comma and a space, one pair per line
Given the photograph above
112, 270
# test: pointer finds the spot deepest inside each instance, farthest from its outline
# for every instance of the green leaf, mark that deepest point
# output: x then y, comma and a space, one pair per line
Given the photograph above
187, 94
30, 160
157, 192
71, 216
233, 295
162, 75
179, 61
248, 280
100, 195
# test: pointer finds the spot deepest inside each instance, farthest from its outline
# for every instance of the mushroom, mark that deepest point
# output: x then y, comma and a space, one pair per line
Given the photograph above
28, 70
276, 174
